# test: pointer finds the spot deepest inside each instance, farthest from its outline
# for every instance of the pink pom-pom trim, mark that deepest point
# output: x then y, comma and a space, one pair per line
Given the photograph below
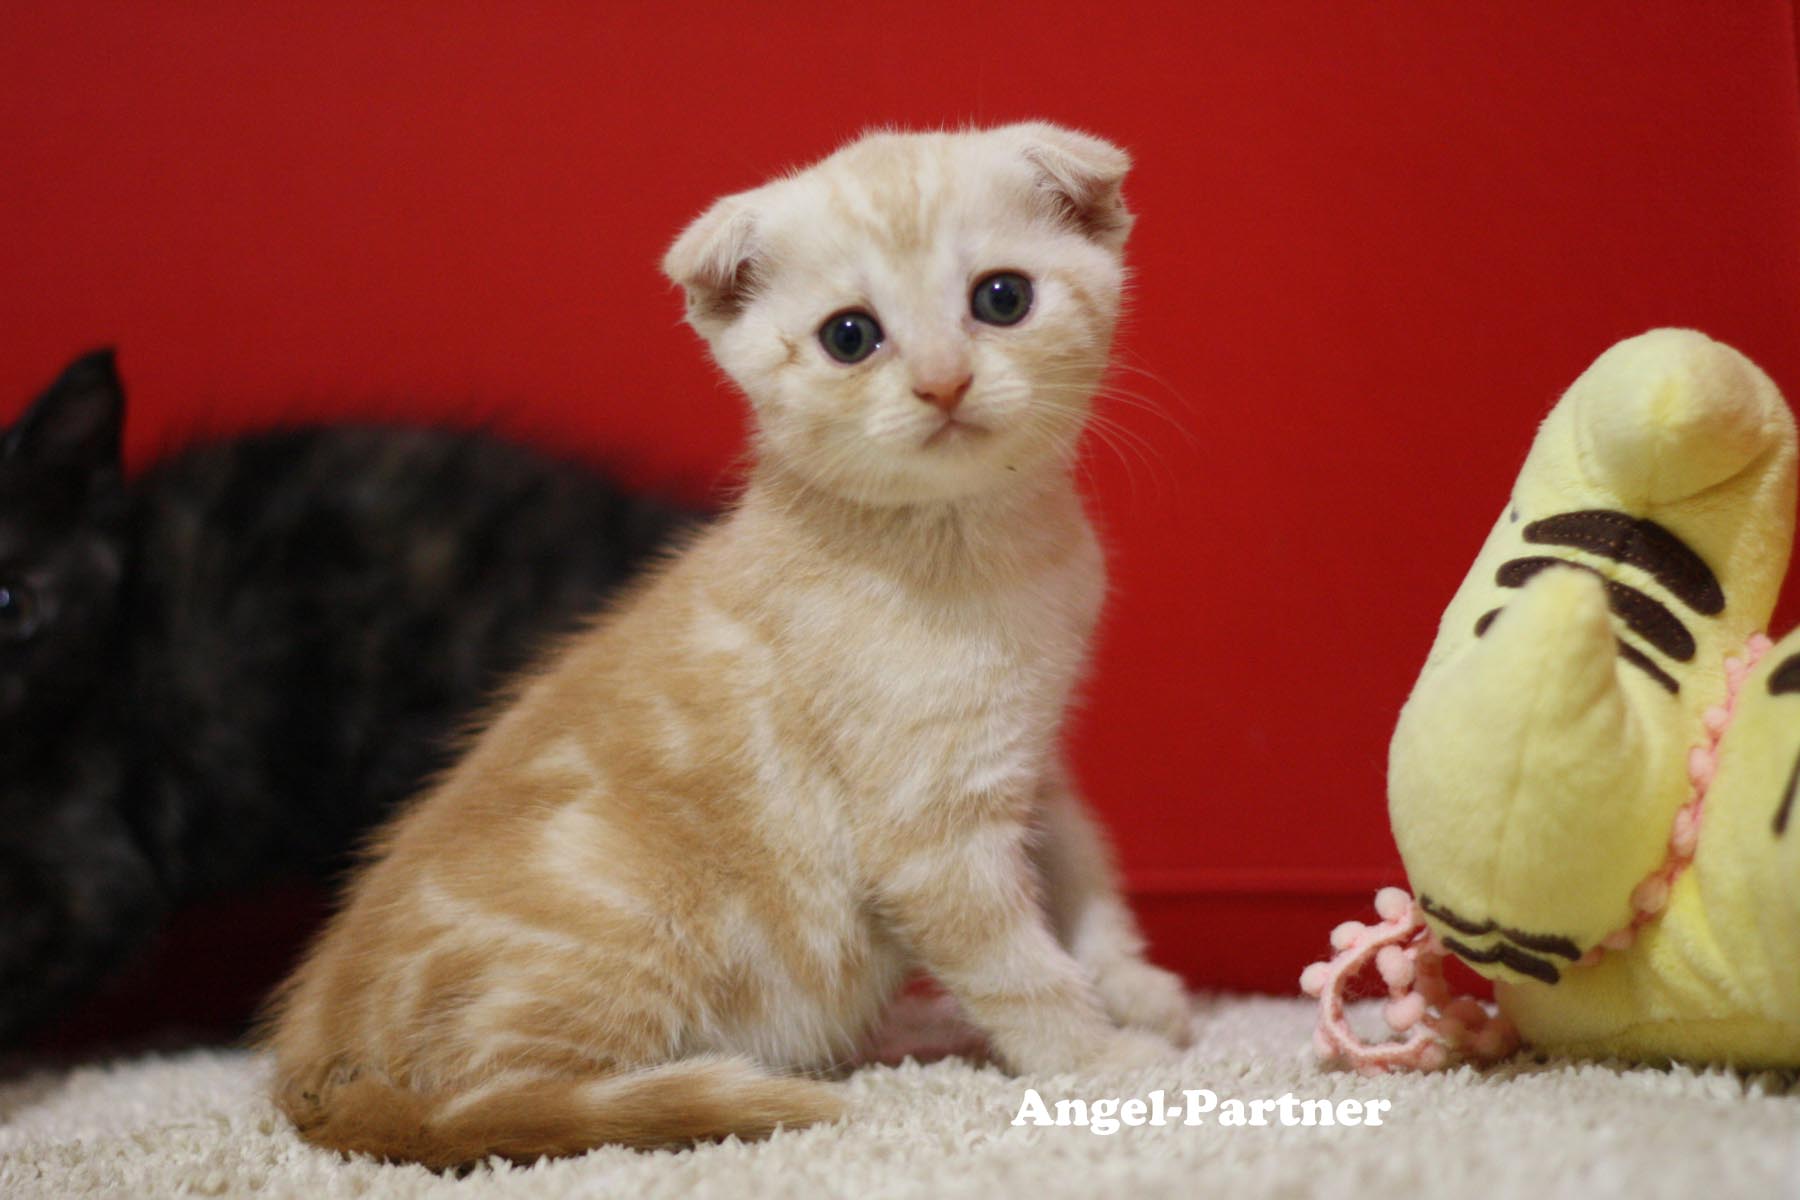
1439, 1028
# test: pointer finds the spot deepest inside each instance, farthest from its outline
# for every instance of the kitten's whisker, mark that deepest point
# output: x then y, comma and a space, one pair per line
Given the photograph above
1102, 421
1097, 414
1107, 391
1132, 449
1120, 363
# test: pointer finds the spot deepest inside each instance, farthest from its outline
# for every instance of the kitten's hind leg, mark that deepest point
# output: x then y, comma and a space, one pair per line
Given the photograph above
1091, 918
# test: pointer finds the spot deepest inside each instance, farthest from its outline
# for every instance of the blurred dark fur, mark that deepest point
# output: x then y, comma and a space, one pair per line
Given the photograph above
227, 669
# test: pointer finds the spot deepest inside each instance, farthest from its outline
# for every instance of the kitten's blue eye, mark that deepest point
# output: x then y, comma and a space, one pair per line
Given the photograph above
1002, 298
850, 337
18, 612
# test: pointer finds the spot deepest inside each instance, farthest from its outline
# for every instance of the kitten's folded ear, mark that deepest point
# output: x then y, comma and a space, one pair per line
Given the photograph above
77, 421
1084, 175
712, 260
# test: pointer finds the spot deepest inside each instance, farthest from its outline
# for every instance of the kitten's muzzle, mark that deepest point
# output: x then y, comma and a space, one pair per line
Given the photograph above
955, 430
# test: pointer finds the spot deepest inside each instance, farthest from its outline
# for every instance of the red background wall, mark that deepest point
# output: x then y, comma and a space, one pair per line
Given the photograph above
1375, 244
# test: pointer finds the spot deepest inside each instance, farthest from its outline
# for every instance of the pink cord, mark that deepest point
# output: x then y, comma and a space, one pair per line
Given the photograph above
1441, 1028
1651, 896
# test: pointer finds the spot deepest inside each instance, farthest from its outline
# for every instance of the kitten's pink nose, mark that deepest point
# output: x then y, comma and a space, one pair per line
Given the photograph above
943, 392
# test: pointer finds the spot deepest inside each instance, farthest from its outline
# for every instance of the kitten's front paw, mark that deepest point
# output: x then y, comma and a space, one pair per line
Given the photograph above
1141, 996
1128, 1050
1098, 1048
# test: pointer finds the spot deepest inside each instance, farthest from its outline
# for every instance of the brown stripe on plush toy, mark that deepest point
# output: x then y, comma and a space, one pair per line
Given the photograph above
1644, 615
1529, 965
1543, 943
1786, 677
1787, 798
1641, 543
1547, 943
1627, 651
1640, 660
1783, 680
1454, 919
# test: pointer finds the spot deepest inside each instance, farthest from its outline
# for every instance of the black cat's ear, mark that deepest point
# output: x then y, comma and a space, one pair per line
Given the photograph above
78, 420
713, 262
1084, 177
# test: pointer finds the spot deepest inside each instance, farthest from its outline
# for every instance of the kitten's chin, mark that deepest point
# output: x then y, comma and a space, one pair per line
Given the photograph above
959, 467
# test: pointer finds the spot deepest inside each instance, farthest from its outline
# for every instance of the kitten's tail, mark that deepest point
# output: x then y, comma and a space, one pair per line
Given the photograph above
524, 1119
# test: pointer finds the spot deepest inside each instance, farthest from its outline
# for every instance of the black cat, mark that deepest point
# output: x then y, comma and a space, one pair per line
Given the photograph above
228, 668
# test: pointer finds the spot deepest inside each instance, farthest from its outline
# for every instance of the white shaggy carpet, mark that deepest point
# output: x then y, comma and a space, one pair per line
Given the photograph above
198, 1123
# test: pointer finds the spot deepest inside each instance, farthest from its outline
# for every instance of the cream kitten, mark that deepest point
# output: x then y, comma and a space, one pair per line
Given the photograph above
694, 856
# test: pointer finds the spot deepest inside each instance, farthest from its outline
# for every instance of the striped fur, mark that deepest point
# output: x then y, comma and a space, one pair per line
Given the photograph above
689, 864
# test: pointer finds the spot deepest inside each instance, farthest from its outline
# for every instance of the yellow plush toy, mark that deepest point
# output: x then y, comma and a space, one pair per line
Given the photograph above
1593, 782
